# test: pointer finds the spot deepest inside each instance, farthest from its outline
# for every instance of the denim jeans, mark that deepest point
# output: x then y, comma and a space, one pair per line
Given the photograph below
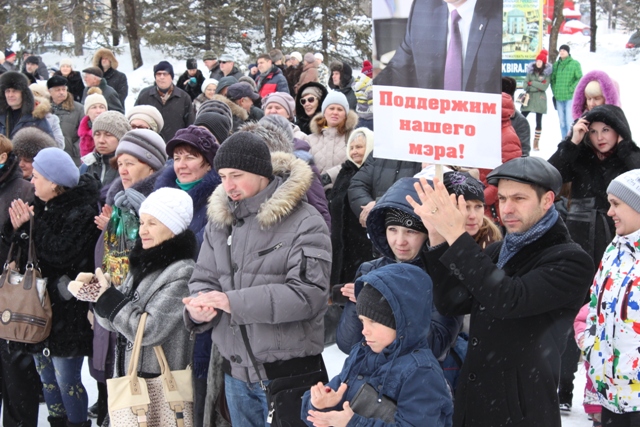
565, 115
62, 386
247, 402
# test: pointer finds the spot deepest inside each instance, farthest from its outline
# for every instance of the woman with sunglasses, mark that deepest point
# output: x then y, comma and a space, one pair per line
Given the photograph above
308, 104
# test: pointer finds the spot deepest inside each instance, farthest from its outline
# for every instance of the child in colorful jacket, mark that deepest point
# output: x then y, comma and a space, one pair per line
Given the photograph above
612, 336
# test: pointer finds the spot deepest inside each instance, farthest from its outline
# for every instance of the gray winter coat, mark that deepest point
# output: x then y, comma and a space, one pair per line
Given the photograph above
110, 94
70, 113
156, 284
281, 259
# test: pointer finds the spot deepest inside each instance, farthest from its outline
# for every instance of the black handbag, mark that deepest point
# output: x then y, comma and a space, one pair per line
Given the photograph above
367, 404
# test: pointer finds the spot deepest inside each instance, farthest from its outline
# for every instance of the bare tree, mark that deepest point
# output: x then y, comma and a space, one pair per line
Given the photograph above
78, 17
266, 11
115, 32
593, 24
558, 17
131, 25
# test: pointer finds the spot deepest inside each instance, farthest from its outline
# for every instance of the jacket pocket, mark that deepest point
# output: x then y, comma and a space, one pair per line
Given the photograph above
269, 250
315, 266
513, 395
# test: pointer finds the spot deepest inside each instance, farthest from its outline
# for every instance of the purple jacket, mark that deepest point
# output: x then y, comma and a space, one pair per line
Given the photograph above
610, 91
315, 195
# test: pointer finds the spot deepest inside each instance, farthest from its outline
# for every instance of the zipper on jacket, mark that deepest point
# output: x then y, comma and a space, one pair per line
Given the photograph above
625, 300
267, 251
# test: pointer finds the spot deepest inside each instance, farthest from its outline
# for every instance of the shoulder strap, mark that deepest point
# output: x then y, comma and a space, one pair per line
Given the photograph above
243, 328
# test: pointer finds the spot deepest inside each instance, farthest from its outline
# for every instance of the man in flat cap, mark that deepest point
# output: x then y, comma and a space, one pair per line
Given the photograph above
94, 77
522, 293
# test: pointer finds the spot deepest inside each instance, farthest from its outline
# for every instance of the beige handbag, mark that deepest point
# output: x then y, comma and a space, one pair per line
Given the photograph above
165, 401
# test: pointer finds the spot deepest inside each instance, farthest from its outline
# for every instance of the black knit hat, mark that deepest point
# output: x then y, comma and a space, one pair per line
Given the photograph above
463, 184
395, 216
56, 81
32, 60
218, 124
565, 47
192, 64
372, 304
247, 152
163, 66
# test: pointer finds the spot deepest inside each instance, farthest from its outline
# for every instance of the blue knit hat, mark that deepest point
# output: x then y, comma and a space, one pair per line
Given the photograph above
335, 97
57, 166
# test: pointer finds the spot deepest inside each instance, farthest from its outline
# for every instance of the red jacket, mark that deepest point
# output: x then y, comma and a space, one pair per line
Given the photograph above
86, 137
511, 149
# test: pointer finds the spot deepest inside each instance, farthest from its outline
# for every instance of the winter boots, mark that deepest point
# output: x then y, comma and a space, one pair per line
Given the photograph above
536, 140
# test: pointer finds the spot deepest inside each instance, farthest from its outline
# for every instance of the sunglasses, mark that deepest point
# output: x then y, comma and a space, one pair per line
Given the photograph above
309, 100
224, 62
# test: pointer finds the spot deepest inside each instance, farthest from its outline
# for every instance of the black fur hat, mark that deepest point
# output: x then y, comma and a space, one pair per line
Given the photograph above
346, 73
17, 81
29, 141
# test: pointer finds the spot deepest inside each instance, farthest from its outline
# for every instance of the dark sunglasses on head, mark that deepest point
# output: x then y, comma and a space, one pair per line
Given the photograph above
309, 99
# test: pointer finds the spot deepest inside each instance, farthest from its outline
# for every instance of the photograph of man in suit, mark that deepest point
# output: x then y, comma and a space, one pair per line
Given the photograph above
451, 45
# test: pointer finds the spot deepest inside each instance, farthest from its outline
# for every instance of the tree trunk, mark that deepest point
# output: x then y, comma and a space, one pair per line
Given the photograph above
558, 17
131, 25
115, 33
325, 31
78, 27
282, 13
593, 24
266, 11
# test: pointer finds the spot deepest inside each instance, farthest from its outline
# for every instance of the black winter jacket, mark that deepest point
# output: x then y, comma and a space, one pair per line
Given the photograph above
118, 81
177, 112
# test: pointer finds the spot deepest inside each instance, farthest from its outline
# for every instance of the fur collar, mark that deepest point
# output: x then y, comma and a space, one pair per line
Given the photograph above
103, 52
143, 262
236, 110
144, 186
609, 87
86, 193
548, 68
297, 176
42, 109
352, 122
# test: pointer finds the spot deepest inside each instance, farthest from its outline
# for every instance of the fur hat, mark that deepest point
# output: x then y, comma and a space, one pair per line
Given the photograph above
170, 206
57, 166
113, 122
149, 114
283, 99
56, 81
145, 145
94, 98
198, 138
247, 152
208, 82
219, 124
608, 86
612, 116
94, 71
209, 55
192, 64
346, 73
626, 187
39, 90
309, 58
335, 97
163, 66
272, 135
18, 81
104, 53
29, 141
277, 122
373, 305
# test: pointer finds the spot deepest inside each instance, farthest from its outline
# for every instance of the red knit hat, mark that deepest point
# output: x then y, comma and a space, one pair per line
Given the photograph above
367, 68
543, 55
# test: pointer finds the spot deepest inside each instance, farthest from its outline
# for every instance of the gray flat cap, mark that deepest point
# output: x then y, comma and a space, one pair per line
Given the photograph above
528, 170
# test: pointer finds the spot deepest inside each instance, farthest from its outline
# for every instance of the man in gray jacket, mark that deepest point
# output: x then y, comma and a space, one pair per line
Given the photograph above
263, 272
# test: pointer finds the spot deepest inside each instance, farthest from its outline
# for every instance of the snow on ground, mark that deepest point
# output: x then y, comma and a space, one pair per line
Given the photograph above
610, 58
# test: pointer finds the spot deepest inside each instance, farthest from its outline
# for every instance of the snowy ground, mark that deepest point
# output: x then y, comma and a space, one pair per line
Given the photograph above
609, 58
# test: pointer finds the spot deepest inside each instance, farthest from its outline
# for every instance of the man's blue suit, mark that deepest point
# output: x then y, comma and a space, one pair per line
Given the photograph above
419, 60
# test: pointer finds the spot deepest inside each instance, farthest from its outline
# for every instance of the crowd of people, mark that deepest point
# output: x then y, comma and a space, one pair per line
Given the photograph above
248, 217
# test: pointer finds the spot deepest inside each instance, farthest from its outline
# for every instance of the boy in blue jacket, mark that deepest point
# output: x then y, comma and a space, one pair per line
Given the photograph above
393, 357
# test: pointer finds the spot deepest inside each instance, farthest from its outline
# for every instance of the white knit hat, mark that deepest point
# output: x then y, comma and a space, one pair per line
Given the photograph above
170, 206
626, 187
335, 97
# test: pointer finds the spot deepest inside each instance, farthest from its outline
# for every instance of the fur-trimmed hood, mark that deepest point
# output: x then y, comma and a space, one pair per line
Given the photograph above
295, 180
548, 68
609, 87
300, 113
352, 122
18, 81
104, 52
274, 137
42, 109
236, 110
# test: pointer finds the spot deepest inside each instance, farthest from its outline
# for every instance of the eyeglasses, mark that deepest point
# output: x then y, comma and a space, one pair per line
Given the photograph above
162, 74
309, 100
